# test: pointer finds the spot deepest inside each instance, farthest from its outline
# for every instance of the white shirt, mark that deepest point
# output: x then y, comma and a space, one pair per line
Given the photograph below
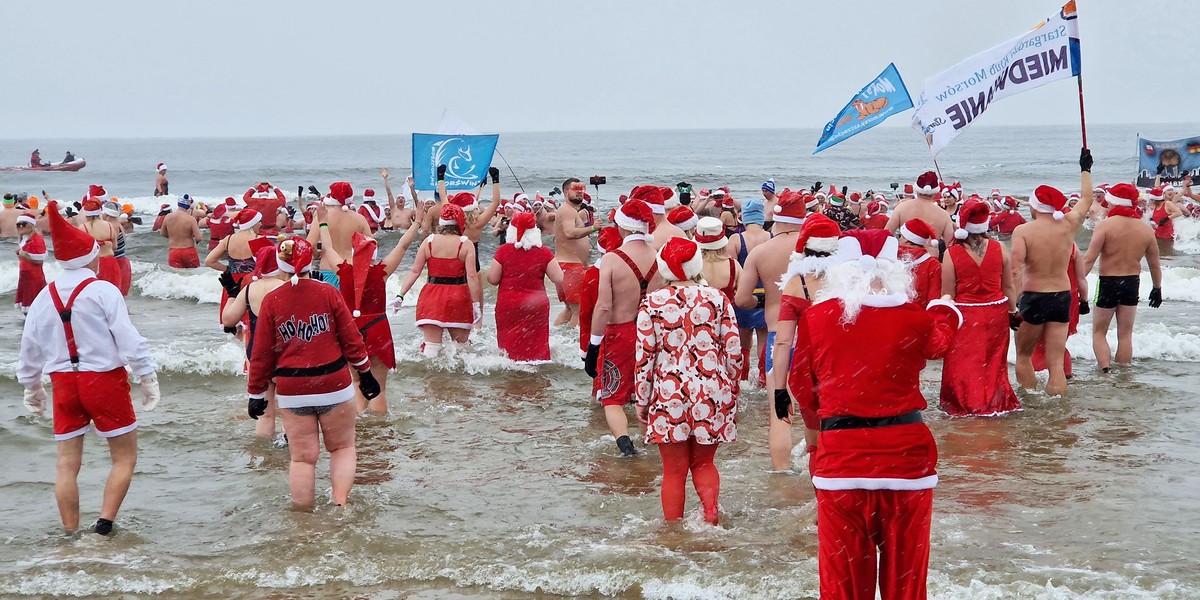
104, 336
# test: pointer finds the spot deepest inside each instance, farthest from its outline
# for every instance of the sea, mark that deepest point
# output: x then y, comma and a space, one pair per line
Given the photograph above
490, 479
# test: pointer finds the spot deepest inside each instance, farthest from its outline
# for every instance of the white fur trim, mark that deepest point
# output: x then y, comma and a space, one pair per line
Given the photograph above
874, 483
961, 234
925, 191
60, 437
446, 222
118, 431
253, 221
92, 213
162, 167
907, 234
691, 268
630, 224
531, 239
817, 244
1042, 207
1110, 198
26, 219
715, 245
638, 237
658, 209
689, 224
950, 305
322, 399
444, 324
80, 262
790, 220
976, 227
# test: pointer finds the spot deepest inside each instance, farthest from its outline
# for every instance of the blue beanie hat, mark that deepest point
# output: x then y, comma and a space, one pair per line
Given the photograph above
769, 186
752, 212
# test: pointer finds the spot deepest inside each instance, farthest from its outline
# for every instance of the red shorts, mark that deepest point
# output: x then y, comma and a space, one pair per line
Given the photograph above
183, 258
109, 270
85, 397
571, 291
616, 374
126, 268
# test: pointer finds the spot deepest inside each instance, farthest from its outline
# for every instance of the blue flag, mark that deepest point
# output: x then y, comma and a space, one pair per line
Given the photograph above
880, 99
467, 158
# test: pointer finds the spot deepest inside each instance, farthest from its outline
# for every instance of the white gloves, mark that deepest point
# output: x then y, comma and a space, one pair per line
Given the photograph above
396, 304
150, 393
35, 399
477, 311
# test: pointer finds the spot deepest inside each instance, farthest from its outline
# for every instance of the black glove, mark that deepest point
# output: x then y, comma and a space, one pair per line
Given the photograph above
760, 300
494, 172
256, 408
232, 287
1163, 222
441, 173
1084, 307
589, 362
1085, 161
844, 188
1015, 320
1160, 169
368, 385
816, 187
230, 330
783, 404
164, 212
1156, 297
299, 191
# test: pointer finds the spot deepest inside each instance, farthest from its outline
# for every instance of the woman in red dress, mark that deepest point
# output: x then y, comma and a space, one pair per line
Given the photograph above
688, 358
520, 268
976, 274
31, 253
444, 305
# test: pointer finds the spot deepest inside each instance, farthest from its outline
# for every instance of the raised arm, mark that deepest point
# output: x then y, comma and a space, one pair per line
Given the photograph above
391, 262
387, 187
1080, 213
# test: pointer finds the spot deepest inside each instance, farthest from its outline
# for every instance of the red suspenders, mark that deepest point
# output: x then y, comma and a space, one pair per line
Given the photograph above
64, 313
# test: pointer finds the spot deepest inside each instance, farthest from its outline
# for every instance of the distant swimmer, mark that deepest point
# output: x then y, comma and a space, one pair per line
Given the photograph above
160, 181
307, 340
371, 211
183, 233
85, 355
627, 274
399, 214
35, 159
1120, 242
1041, 254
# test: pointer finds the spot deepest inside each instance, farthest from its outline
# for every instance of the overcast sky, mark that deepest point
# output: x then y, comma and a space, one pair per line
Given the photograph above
81, 68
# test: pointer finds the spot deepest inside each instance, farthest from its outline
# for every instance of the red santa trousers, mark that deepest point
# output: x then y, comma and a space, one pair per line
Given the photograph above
853, 524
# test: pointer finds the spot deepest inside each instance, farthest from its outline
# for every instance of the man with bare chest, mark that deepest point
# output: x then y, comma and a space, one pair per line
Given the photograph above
572, 248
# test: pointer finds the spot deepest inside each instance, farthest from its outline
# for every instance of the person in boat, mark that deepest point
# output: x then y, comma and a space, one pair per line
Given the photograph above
69, 158
35, 159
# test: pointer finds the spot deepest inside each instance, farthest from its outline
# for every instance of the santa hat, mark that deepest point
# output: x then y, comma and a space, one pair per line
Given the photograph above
868, 247
908, 189
652, 196
520, 197
230, 203
74, 248
927, 184
717, 193
452, 214
680, 259
111, 209
219, 211
954, 190
295, 256
1010, 202
918, 232
265, 264
97, 192
92, 207
465, 201
368, 195
995, 193
160, 167
247, 219
973, 218
855, 198
609, 239
26, 219
819, 234
364, 248
790, 208
524, 232
340, 193
1156, 193
710, 234
635, 216
1046, 199
1121, 194
682, 217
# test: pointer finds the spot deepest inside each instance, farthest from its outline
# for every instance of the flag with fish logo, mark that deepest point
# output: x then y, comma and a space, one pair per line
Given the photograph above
880, 99
467, 158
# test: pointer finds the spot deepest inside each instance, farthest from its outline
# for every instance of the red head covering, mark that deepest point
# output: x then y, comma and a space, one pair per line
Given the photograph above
973, 217
465, 201
819, 233
295, 256
918, 232
452, 214
682, 217
246, 219
1122, 194
609, 239
74, 248
96, 191
341, 192
92, 207
265, 263
524, 232
680, 259
636, 216
652, 196
1046, 199
791, 208
927, 184
368, 195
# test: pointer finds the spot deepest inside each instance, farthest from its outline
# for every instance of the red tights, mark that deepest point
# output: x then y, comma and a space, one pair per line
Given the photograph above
677, 460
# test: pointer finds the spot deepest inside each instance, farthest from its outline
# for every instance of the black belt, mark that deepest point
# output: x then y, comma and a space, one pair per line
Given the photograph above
363, 330
449, 280
863, 422
328, 369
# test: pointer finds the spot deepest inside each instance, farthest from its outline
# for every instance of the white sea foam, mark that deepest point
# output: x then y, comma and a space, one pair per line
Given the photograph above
1187, 236
166, 283
1179, 284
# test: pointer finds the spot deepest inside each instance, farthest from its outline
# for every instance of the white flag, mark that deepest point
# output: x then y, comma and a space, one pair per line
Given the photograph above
956, 97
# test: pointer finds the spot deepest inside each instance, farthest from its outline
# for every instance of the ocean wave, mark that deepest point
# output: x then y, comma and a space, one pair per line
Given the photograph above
1187, 236
165, 283
1180, 284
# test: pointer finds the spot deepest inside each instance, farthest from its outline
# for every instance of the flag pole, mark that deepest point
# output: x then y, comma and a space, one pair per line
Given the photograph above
1082, 120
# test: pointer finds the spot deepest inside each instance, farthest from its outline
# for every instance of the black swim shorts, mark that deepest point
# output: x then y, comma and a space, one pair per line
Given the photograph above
304, 411
1037, 308
1117, 290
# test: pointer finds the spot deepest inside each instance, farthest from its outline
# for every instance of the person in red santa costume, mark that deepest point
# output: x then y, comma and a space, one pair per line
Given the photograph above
520, 268
445, 305
363, 283
688, 360
78, 332
607, 240
304, 338
31, 253
372, 212
874, 465
918, 243
875, 216
220, 222
267, 200
978, 276
244, 309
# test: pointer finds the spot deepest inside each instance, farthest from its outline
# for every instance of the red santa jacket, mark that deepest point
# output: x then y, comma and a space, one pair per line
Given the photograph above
304, 338
35, 247
267, 203
373, 214
1004, 223
871, 368
927, 274
218, 229
875, 221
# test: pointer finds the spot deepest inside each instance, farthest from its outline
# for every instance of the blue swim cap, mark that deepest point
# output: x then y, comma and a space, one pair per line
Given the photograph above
752, 212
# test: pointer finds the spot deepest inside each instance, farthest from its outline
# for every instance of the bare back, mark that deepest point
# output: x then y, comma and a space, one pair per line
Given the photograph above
1122, 243
626, 290
570, 250
343, 224
1042, 250
181, 229
104, 232
926, 210
258, 290
664, 231
8, 222
716, 272
767, 263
